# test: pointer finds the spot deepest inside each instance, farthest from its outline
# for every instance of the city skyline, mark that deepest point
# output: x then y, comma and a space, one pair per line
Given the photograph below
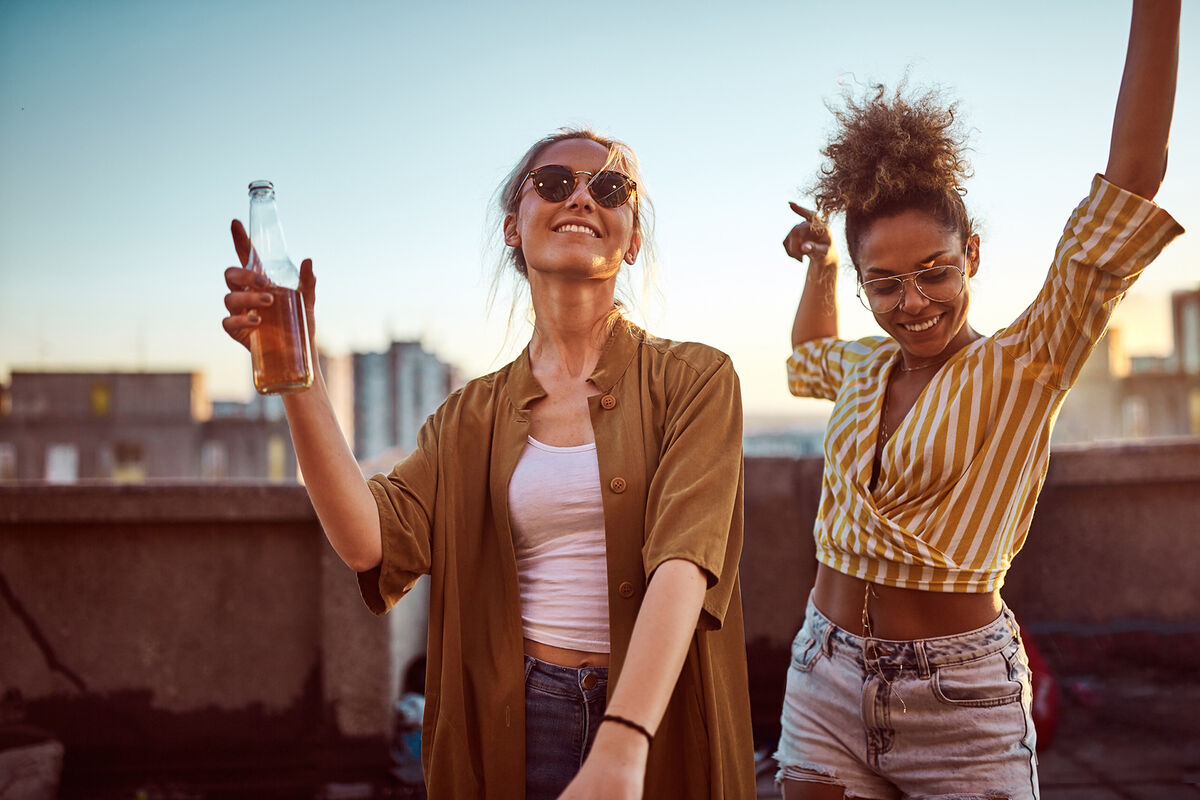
129, 131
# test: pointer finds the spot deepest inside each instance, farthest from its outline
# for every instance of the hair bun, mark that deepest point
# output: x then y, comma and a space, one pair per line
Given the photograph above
890, 148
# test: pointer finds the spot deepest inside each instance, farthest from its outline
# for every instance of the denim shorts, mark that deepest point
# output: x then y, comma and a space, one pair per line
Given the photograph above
563, 707
947, 717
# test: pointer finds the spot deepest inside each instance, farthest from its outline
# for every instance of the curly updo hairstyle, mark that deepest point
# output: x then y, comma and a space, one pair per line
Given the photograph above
890, 154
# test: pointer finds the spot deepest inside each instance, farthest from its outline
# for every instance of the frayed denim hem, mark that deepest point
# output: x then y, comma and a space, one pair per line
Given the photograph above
807, 772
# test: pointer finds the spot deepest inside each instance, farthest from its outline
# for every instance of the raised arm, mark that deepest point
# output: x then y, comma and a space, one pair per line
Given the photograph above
816, 316
1137, 156
332, 477
335, 484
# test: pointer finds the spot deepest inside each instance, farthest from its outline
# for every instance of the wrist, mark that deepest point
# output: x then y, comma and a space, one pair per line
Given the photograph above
621, 743
822, 266
314, 396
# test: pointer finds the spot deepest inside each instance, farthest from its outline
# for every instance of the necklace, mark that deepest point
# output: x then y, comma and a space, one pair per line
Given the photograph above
884, 433
904, 368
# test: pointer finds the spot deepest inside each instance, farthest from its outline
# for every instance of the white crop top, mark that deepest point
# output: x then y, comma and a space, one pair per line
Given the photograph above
558, 533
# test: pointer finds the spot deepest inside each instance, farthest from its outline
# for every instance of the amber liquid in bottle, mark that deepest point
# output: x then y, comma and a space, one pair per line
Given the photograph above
279, 344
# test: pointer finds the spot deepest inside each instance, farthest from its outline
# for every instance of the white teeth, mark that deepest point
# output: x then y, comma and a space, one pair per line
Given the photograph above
576, 229
924, 326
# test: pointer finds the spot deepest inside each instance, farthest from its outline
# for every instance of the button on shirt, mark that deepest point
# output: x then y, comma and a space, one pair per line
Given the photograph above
672, 435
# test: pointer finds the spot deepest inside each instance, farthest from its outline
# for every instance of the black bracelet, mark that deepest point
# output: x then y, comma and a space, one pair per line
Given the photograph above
628, 723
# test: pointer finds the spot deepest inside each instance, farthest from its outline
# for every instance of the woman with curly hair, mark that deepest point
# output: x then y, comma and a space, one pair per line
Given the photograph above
579, 512
908, 677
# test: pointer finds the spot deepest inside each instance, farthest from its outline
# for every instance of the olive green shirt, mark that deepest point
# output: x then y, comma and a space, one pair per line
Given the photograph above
668, 427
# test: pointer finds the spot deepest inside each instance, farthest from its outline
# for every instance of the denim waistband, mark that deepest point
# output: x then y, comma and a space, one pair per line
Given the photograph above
585, 682
917, 654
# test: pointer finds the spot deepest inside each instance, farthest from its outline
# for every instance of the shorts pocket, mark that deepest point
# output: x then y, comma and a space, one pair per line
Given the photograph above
806, 651
983, 683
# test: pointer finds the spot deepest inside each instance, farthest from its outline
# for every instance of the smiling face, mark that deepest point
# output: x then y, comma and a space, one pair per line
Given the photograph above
575, 238
900, 245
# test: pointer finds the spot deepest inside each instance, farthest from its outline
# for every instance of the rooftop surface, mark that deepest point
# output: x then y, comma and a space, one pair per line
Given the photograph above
1129, 729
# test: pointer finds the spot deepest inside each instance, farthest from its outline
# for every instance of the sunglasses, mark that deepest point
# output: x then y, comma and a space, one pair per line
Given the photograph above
554, 183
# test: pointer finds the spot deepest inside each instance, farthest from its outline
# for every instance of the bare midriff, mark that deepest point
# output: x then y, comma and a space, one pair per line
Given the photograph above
900, 614
564, 657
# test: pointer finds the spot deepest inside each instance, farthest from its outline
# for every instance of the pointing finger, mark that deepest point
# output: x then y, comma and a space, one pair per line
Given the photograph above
815, 219
807, 213
241, 242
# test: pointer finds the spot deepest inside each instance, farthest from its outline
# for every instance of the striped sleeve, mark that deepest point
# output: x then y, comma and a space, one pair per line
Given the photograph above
816, 368
1109, 239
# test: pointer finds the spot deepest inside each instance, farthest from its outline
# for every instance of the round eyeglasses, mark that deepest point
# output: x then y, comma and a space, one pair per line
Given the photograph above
939, 284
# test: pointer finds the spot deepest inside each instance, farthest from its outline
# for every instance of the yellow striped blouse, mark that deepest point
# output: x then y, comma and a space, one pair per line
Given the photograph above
960, 477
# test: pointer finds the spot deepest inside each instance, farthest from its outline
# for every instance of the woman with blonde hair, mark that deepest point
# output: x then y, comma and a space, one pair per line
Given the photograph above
579, 511
908, 677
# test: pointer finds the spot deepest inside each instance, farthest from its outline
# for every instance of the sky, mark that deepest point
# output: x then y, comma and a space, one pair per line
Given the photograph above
130, 130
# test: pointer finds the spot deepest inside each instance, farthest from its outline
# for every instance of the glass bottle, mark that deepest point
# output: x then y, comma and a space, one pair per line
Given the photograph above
279, 344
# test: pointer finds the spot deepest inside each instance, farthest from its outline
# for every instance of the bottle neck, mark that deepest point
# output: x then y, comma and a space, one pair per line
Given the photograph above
270, 254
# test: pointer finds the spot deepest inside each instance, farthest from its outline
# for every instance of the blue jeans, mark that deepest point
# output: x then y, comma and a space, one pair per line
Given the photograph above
947, 717
563, 707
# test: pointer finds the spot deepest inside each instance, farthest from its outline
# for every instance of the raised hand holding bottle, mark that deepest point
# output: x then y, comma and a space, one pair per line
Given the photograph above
279, 350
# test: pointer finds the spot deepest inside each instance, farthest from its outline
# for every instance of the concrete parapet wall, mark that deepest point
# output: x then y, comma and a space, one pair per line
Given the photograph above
1115, 540
159, 623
